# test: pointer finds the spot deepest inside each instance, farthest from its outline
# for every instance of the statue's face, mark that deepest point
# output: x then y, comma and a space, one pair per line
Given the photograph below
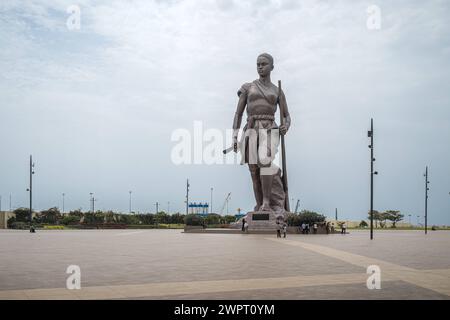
264, 66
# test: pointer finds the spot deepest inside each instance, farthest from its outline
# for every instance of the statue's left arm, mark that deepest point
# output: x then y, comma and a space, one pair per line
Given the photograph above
286, 116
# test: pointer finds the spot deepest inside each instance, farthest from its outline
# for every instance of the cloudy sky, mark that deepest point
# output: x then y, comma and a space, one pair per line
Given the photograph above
96, 106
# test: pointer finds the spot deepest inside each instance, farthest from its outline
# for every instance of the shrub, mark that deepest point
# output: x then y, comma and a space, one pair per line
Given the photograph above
194, 220
19, 225
213, 218
22, 214
51, 215
305, 216
229, 219
363, 224
54, 227
130, 219
70, 220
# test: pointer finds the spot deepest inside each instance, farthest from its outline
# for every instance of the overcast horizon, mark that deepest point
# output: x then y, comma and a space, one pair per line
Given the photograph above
96, 106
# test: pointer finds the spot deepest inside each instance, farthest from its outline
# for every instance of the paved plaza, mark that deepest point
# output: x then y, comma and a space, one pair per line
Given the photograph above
170, 264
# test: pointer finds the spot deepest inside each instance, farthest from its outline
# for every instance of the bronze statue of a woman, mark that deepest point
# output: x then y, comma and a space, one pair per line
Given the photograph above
260, 98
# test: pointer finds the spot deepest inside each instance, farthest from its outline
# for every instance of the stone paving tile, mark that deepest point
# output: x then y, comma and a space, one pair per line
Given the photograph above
411, 248
389, 290
126, 257
188, 288
106, 258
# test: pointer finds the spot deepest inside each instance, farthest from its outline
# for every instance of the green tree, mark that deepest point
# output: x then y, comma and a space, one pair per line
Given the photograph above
213, 218
363, 224
194, 220
130, 219
22, 214
162, 217
394, 216
67, 220
229, 219
305, 216
51, 216
377, 216
177, 218
94, 218
146, 218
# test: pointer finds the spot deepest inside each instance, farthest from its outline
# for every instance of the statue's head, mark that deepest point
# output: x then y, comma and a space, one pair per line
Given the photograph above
264, 64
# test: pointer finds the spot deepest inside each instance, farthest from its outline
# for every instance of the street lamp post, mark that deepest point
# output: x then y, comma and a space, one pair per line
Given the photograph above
168, 207
211, 203
130, 201
426, 198
30, 189
187, 196
63, 202
92, 202
370, 134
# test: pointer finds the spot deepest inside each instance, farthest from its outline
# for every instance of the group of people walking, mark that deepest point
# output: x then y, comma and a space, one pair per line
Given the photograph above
281, 228
304, 228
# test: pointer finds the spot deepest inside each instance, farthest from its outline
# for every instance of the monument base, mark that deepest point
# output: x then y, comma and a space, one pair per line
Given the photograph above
261, 220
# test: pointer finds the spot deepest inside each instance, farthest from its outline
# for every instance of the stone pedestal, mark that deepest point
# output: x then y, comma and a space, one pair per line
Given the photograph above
263, 220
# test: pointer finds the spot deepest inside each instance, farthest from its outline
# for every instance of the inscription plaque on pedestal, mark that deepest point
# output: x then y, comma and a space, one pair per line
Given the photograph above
260, 216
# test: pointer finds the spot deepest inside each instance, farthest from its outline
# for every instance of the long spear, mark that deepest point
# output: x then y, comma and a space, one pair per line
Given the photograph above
283, 150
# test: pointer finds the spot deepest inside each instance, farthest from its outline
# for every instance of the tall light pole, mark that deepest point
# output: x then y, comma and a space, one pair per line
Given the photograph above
370, 134
63, 202
30, 190
168, 207
10, 203
336, 215
187, 196
157, 206
91, 201
426, 197
130, 201
211, 203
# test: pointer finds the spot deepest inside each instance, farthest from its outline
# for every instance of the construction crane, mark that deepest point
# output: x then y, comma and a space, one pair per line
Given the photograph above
296, 206
225, 203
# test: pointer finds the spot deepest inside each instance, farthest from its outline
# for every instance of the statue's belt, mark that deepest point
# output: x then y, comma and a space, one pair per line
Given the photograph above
251, 119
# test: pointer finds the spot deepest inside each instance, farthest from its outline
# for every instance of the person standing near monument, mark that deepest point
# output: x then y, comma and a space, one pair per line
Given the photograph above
278, 229
260, 98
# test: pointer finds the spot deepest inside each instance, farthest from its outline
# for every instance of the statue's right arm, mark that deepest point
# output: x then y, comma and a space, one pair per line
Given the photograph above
238, 115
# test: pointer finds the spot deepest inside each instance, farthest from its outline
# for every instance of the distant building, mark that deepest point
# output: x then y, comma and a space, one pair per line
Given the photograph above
4, 216
199, 208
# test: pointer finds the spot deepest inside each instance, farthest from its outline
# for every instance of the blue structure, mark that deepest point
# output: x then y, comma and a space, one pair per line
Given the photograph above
199, 208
